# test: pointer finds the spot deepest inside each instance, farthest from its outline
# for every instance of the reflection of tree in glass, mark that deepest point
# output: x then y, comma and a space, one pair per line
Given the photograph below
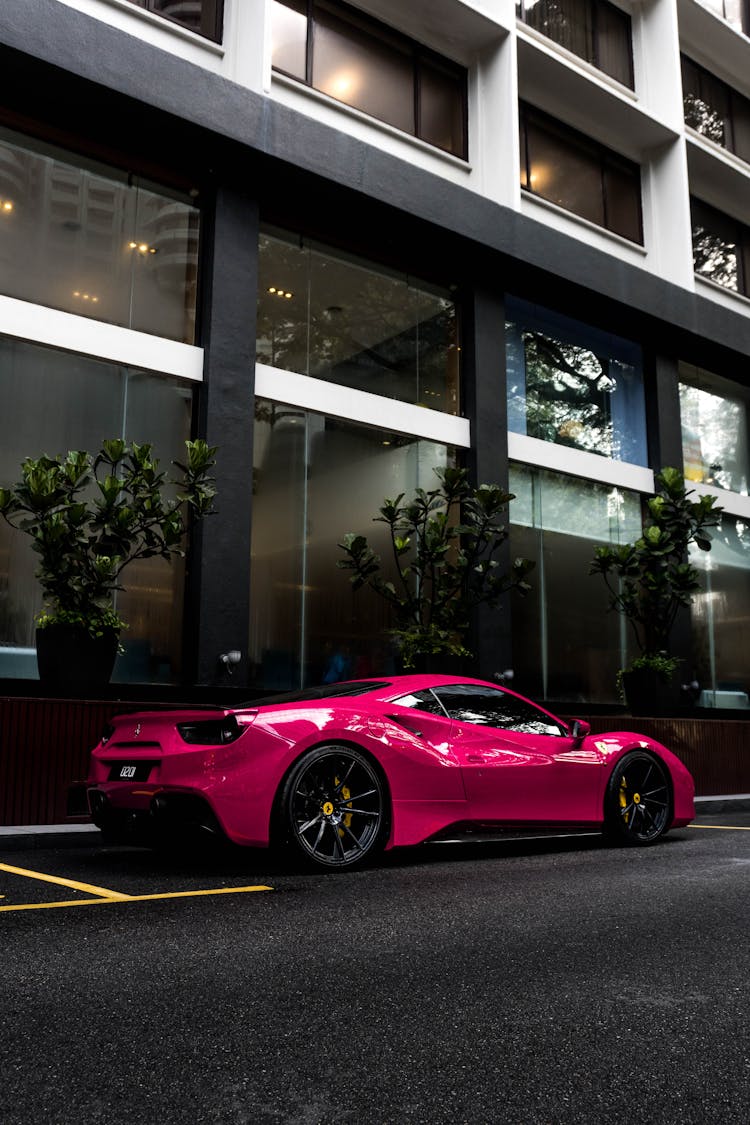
715, 257
708, 120
568, 394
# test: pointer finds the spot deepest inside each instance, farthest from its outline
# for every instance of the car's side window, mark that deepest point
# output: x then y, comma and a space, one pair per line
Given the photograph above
493, 707
423, 701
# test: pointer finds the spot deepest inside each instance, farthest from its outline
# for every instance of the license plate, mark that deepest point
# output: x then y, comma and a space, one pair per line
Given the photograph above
130, 771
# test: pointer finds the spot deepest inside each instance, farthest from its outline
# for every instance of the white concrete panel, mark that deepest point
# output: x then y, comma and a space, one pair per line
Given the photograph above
360, 406
578, 463
70, 333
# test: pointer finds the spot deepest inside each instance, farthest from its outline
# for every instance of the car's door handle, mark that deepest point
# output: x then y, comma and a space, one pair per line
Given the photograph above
475, 758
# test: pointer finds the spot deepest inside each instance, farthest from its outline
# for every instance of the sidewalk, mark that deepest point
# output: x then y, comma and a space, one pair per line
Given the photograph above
23, 837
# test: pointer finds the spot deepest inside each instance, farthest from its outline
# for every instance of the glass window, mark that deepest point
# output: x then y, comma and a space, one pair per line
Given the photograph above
53, 402
493, 707
721, 247
423, 701
371, 73
735, 12
713, 414
715, 110
580, 175
365, 64
289, 38
566, 646
315, 479
573, 384
339, 319
592, 29
202, 16
720, 613
94, 244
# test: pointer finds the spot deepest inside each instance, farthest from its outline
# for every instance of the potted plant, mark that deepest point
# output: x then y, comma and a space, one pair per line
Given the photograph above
89, 516
651, 580
443, 544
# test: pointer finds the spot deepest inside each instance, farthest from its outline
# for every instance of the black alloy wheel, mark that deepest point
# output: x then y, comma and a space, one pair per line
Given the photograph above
334, 807
638, 800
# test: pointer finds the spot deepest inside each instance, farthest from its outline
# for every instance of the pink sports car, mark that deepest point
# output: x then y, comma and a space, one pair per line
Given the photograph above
341, 771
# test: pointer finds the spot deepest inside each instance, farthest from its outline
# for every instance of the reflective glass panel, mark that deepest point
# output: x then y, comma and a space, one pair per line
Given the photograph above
372, 73
338, 319
733, 11
566, 645
289, 37
564, 173
573, 384
81, 240
367, 65
441, 107
717, 247
574, 172
201, 16
706, 102
53, 402
720, 614
592, 29
714, 420
315, 479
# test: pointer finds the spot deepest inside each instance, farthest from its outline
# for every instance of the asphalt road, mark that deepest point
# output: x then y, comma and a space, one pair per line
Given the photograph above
538, 983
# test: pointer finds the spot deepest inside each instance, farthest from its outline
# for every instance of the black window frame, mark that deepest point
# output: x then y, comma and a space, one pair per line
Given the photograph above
606, 158
212, 17
702, 214
595, 7
735, 102
418, 53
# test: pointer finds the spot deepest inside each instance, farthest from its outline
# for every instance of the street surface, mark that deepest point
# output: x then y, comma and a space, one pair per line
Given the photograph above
548, 982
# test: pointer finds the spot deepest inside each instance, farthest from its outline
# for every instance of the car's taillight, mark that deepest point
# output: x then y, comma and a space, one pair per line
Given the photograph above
107, 731
211, 732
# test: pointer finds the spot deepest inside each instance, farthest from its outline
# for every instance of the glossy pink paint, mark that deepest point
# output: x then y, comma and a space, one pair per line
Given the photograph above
439, 772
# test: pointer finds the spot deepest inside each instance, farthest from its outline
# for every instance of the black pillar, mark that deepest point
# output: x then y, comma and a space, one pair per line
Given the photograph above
219, 591
485, 404
664, 429
665, 449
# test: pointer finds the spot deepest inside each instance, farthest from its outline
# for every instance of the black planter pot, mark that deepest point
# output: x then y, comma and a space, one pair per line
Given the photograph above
651, 693
68, 657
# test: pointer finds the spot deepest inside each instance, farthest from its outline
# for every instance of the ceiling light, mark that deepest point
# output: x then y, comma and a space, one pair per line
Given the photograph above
6, 205
142, 247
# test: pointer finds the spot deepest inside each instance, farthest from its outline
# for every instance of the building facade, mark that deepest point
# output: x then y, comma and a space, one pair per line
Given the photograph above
349, 244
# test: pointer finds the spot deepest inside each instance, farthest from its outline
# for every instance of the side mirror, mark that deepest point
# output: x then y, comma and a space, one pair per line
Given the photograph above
579, 730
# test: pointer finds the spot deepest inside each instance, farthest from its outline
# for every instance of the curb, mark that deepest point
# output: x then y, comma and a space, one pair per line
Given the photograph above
16, 838
21, 838
739, 802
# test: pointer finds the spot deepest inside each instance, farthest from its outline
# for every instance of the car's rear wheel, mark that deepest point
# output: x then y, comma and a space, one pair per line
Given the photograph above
638, 801
334, 807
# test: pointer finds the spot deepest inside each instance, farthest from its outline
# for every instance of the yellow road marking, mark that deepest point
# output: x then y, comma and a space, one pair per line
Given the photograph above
723, 827
133, 898
72, 883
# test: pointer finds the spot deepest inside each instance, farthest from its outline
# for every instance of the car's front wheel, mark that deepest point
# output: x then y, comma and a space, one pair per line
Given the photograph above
334, 807
638, 801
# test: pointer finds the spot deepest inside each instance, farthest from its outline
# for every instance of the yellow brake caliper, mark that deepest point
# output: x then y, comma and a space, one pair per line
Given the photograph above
624, 797
346, 794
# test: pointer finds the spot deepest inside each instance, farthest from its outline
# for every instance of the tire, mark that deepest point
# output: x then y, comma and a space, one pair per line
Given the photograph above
334, 808
637, 804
